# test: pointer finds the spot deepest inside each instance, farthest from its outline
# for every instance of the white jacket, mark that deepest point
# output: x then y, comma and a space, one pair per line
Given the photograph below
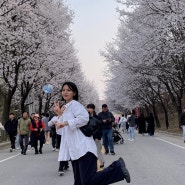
74, 144
51, 123
123, 120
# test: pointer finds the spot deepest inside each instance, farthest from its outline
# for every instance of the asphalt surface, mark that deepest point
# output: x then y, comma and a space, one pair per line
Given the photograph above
158, 160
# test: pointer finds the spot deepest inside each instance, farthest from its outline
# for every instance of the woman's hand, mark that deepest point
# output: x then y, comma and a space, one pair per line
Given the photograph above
60, 125
57, 108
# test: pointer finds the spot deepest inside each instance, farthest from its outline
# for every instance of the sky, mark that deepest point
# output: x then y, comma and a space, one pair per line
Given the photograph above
95, 25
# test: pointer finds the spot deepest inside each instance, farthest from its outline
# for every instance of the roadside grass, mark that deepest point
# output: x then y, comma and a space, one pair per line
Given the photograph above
173, 124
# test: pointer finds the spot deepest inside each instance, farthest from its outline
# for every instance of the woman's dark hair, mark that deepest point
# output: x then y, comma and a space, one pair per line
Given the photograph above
91, 105
73, 87
47, 115
133, 111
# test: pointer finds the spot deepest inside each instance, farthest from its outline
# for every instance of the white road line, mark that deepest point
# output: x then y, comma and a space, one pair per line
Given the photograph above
171, 143
9, 158
12, 157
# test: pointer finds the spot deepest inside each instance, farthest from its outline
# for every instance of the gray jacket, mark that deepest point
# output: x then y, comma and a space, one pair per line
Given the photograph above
132, 120
46, 120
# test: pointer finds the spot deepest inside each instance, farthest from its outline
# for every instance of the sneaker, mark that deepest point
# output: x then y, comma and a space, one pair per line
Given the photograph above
40, 151
54, 149
36, 152
66, 167
129, 139
57, 150
132, 140
11, 150
124, 170
106, 152
61, 172
112, 153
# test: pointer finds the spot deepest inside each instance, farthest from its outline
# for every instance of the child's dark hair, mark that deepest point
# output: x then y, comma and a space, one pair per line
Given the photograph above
73, 87
91, 105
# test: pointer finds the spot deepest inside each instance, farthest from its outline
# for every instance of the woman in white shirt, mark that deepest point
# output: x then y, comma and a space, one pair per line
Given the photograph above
122, 122
62, 164
82, 150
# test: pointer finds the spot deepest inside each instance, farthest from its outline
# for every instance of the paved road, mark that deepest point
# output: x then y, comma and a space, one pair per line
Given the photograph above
158, 160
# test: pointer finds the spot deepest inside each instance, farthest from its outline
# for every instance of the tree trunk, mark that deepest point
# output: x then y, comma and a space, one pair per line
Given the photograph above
165, 113
40, 105
179, 111
158, 124
7, 105
6, 110
46, 109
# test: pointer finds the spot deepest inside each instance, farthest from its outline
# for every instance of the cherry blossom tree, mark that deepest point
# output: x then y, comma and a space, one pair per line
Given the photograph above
149, 46
36, 49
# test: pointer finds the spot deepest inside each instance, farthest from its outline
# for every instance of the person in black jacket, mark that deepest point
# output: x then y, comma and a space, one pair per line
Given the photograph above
97, 135
107, 119
141, 123
182, 123
151, 125
11, 128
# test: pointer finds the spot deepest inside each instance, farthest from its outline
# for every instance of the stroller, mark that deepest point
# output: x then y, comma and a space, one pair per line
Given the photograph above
117, 137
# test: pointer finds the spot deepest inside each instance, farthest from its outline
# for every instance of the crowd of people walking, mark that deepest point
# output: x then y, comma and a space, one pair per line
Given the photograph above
61, 128
145, 125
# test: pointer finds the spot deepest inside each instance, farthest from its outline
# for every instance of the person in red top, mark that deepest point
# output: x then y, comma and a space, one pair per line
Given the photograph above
37, 133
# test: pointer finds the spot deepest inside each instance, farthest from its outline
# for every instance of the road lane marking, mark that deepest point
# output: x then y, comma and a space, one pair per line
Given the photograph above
9, 158
172, 143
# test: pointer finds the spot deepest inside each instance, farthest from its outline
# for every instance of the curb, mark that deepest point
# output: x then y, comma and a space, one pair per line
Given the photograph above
4, 145
169, 133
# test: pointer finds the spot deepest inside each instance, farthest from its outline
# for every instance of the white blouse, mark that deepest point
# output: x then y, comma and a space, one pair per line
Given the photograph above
74, 144
51, 123
53, 119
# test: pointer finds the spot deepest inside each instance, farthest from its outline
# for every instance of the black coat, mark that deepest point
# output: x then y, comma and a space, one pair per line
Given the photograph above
151, 125
98, 134
141, 125
182, 119
11, 127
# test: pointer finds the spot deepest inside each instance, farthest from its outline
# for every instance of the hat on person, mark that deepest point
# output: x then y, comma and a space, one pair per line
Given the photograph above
36, 115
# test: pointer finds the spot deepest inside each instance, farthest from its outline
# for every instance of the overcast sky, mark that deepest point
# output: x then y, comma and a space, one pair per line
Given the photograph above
95, 24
